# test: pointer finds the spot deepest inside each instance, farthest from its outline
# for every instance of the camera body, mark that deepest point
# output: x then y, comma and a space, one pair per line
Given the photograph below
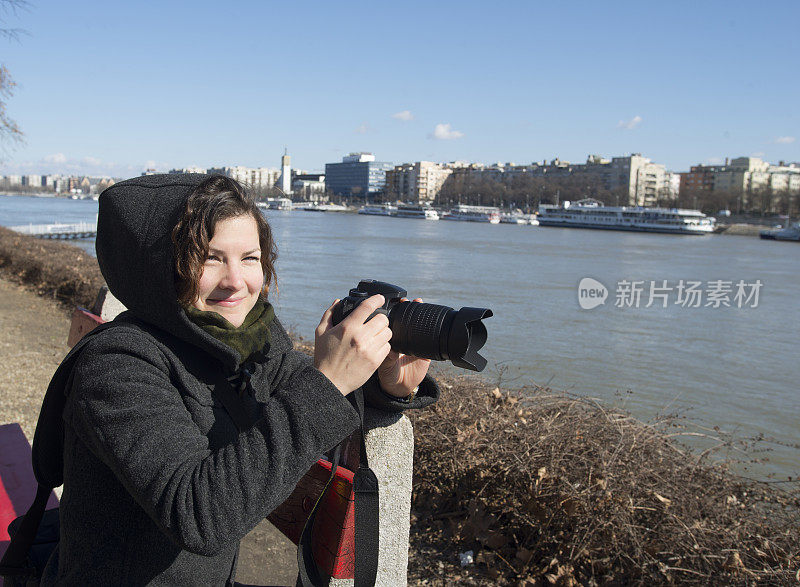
424, 330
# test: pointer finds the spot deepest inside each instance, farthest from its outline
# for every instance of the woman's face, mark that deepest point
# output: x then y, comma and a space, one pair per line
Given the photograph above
232, 275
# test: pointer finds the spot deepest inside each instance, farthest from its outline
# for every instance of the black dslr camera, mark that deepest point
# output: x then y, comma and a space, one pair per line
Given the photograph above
429, 331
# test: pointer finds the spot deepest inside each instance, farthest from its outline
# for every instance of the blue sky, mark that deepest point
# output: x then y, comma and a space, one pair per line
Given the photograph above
113, 87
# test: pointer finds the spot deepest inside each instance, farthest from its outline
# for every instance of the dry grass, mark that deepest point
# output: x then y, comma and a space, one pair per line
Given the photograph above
53, 269
547, 488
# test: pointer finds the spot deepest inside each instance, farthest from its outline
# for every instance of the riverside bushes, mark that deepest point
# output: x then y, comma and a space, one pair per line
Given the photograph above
546, 488
53, 268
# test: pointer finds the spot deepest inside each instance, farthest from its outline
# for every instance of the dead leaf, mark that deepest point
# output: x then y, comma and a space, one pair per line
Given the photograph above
538, 511
524, 555
662, 499
570, 506
494, 540
496, 393
734, 562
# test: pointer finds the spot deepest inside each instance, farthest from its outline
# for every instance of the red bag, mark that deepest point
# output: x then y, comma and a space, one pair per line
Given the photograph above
333, 535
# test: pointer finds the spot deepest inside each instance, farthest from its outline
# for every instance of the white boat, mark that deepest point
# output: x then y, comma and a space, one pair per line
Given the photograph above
466, 213
513, 219
593, 214
790, 233
325, 208
378, 209
422, 211
276, 204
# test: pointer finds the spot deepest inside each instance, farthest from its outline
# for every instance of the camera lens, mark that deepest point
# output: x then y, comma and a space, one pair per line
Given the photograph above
439, 332
417, 329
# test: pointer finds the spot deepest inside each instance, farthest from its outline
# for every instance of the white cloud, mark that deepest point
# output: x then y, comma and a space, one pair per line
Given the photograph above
630, 124
759, 154
785, 140
444, 132
363, 129
91, 161
57, 158
404, 115
150, 165
715, 161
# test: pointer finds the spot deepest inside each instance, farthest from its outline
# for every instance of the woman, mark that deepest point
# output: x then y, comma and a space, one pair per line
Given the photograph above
159, 483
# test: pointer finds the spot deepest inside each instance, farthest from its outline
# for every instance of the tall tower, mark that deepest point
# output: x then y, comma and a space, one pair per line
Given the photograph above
285, 181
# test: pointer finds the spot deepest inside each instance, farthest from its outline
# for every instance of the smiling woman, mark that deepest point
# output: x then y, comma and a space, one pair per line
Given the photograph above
232, 277
161, 480
224, 251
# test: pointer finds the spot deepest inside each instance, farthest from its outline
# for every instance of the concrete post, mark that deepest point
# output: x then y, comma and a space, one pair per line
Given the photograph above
390, 451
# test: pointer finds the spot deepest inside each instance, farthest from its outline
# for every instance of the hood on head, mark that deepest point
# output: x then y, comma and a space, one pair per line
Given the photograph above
136, 256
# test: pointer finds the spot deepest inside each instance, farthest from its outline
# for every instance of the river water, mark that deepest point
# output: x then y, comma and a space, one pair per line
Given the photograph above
732, 366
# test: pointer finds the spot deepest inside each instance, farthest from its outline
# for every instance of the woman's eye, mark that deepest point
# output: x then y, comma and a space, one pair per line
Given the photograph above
212, 258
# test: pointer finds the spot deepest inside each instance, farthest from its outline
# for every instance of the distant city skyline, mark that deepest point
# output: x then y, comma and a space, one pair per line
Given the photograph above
112, 89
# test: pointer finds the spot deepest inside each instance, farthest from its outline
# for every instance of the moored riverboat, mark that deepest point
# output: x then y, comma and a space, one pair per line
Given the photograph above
513, 219
275, 204
325, 208
467, 213
790, 233
421, 211
378, 210
593, 214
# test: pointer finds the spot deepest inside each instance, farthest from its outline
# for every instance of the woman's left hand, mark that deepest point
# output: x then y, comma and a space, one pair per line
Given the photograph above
399, 374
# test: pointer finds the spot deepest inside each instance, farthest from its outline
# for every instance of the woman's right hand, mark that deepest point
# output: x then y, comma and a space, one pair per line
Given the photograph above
350, 352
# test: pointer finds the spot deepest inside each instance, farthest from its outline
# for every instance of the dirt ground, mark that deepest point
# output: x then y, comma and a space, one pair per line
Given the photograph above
33, 340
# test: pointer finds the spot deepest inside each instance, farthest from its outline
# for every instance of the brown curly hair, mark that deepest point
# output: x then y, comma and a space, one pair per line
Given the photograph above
213, 200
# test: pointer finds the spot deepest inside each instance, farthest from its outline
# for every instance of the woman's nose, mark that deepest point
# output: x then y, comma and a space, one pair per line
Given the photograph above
233, 278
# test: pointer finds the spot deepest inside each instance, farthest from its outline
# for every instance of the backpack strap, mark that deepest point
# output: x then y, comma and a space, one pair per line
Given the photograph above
366, 514
48, 443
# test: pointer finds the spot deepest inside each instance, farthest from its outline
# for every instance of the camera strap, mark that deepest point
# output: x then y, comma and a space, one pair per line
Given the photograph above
366, 532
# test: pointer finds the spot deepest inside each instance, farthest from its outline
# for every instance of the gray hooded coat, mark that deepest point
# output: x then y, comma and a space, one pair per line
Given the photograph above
159, 485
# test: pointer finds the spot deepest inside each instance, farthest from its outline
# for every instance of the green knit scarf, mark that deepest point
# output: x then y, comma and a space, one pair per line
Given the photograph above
246, 339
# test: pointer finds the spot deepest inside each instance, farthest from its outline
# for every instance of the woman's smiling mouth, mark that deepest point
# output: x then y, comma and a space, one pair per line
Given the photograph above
227, 302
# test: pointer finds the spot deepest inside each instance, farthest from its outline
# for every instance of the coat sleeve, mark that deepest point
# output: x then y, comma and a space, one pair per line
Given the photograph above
124, 406
375, 397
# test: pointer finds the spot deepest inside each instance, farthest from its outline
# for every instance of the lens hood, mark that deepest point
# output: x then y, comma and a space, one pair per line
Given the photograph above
467, 336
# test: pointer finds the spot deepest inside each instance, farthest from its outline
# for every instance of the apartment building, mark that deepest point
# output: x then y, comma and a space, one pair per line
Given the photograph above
417, 182
742, 175
636, 180
308, 187
257, 177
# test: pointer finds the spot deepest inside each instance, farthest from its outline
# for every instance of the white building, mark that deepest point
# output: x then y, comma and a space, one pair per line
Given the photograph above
309, 187
742, 175
257, 177
417, 182
285, 179
10, 181
358, 158
190, 169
